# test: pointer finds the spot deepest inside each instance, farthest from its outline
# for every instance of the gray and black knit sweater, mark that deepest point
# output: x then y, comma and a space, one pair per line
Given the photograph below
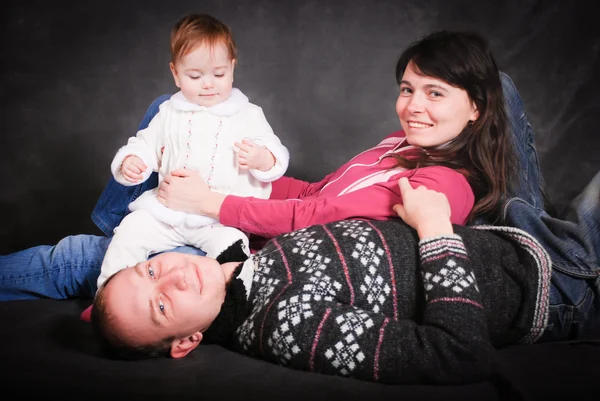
366, 299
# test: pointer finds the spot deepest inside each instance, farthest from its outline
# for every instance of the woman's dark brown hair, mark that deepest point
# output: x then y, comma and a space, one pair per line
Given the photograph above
483, 151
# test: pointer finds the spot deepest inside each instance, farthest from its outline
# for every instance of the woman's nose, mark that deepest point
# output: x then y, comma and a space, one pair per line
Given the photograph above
415, 104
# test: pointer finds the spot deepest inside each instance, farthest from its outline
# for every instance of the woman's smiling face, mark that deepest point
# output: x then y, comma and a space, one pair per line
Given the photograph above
431, 111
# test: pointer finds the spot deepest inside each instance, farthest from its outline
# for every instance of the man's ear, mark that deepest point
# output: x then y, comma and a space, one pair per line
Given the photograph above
183, 346
174, 72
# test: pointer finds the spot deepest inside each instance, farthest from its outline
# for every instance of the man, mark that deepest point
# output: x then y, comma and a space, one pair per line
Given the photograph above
374, 300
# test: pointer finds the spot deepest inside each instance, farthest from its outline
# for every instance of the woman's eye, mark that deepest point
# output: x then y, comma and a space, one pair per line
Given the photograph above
161, 306
405, 91
435, 94
219, 75
151, 271
191, 77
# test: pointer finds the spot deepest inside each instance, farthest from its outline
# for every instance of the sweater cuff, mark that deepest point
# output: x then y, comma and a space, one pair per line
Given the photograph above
432, 249
446, 271
282, 160
270, 175
122, 154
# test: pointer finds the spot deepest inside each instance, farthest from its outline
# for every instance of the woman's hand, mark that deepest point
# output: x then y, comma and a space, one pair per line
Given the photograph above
186, 191
132, 168
425, 210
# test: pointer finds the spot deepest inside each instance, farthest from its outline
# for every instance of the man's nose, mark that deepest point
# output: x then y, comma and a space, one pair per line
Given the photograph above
175, 279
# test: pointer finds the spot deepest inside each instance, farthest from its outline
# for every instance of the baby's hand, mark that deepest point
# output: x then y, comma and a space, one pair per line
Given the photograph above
132, 168
253, 156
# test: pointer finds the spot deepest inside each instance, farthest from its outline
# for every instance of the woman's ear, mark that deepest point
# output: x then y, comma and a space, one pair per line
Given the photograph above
183, 346
474, 113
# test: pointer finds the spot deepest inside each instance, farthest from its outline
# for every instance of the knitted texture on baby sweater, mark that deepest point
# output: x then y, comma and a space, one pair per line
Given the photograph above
366, 299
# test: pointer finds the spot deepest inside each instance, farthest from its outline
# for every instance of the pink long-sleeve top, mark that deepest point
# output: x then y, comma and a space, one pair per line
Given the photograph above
366, 187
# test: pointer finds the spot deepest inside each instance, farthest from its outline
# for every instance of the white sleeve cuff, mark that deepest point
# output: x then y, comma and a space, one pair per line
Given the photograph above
282, 160
138, 151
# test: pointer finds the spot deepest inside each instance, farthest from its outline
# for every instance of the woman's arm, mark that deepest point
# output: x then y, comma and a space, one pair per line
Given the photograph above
269, 217
291, 188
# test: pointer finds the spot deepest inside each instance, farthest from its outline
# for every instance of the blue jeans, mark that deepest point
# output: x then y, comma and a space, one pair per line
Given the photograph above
529, 184
573, 244
70, 269
574, 247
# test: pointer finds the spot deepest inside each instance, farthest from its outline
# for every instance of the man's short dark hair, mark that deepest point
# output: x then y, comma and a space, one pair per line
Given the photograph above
111, 345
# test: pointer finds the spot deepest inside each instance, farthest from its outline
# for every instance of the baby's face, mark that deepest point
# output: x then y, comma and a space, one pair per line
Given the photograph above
170, 295
205, 75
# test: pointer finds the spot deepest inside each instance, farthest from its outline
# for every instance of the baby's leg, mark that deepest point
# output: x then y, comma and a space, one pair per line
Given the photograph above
217, 238
138, 236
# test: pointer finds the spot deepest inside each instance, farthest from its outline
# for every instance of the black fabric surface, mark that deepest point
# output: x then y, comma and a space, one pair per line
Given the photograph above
48, 353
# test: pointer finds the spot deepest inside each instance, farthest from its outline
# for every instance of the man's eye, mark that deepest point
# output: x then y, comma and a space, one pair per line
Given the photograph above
405, 91
151, 271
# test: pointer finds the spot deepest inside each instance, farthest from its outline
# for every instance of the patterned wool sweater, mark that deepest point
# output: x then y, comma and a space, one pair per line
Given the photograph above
366, 299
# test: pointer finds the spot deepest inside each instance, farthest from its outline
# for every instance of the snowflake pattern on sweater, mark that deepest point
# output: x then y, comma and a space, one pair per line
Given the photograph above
349, 299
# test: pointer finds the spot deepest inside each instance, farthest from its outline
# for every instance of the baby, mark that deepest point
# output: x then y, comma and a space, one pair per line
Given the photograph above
209, 127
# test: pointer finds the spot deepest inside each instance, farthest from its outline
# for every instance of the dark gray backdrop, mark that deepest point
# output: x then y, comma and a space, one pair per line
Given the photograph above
77, 77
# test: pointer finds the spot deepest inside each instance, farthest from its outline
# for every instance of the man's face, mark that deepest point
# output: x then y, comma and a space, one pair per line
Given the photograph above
172, 294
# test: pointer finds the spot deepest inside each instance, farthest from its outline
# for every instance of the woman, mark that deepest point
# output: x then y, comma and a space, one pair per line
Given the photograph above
455, 140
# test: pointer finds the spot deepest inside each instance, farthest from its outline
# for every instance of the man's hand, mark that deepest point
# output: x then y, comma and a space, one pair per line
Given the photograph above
253, 156
425, 210
187, 191
132, 168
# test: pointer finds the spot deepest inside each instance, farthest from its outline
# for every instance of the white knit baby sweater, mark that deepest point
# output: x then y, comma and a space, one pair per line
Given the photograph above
185, 135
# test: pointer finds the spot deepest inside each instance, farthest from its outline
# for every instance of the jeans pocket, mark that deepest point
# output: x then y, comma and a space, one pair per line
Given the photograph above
571, 322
